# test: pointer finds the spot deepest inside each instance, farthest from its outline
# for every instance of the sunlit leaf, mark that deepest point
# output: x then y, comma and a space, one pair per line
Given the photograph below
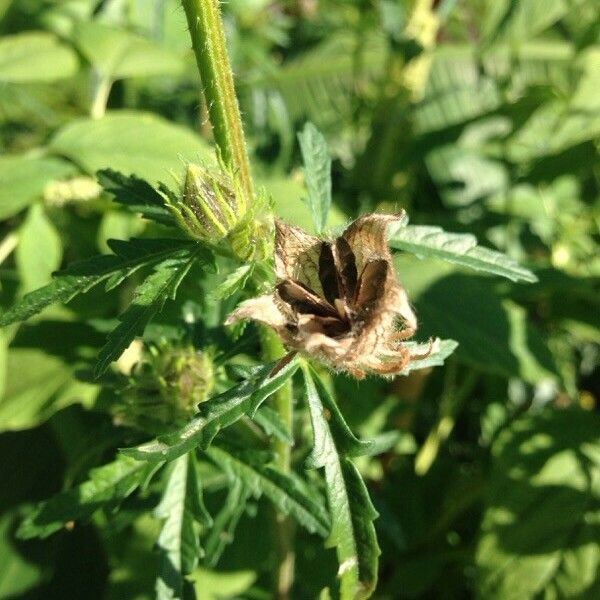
148, 299
131, 142
35, 56
118, 53
39, 252
81, 276
215, 414
352, 513
23, 179
179, 543
539, 532
460, 249
317, 173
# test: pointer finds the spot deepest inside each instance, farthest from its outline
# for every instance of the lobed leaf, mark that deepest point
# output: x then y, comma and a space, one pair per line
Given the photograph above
223, 529
352, 513
81, 276
285, 490
64, 287
148, 299
215, 414
107, 486
135, 194
460, 249
346, 441
317, 173
233, 282
178, 543
272, 424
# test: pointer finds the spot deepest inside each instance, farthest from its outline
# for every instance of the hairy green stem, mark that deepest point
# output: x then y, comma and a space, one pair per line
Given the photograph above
210, 47
283, 526
209, 44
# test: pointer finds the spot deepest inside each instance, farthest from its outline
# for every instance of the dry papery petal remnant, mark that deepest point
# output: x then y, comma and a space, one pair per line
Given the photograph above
339, 301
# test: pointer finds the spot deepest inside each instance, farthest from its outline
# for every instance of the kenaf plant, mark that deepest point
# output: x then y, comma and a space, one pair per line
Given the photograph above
326, 300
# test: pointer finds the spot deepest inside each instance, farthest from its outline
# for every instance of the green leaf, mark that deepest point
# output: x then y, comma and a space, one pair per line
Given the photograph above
148, 299
213, 585
222, 532
130, 142
233, 282
272, 424
63, 288
464, 175
352, 513
288, 194
554, 128
33, 394
35, 56
215, 414
345, 441
286, 491
492, 333
106, 487
39, 252
519, 22
319, 83
18, 574
118, 53
23, 179
136, 195
540, 527
435, 359
179, 541
460, 249
83, 275
317, 173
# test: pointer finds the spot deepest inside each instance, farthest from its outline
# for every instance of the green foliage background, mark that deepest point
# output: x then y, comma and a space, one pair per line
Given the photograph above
478, 117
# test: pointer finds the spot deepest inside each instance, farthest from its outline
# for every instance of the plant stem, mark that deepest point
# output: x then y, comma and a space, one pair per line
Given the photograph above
100, 93
210, 47
452, 402
209, 44
7, 245
283, 526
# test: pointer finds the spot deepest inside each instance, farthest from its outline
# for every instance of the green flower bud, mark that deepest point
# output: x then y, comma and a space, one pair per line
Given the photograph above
166, 387
213, 208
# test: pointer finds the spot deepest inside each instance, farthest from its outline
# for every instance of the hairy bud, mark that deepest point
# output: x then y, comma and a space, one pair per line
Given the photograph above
213, 208
166, 386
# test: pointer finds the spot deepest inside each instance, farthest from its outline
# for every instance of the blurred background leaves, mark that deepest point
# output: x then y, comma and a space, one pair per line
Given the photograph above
476, 116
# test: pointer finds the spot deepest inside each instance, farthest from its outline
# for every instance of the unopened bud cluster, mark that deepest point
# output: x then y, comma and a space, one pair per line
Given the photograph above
166, 386
214, 208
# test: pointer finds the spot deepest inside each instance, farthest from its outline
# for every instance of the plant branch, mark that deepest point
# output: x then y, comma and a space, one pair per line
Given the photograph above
101, 86
452, 402
209, 44
7, 245
283, 526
